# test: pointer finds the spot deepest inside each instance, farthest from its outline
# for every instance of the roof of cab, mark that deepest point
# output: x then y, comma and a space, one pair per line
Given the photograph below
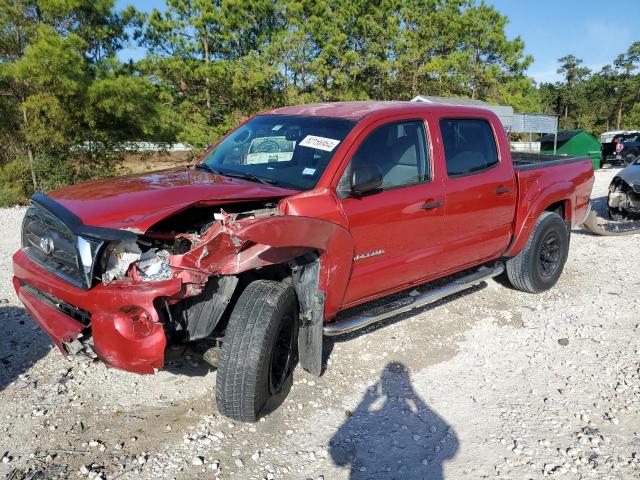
359, 110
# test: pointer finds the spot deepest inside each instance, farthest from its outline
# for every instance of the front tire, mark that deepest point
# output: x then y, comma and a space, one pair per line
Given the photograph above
259, 351
540, 263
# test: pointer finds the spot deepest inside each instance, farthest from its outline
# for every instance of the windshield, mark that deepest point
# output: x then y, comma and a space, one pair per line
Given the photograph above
289, 151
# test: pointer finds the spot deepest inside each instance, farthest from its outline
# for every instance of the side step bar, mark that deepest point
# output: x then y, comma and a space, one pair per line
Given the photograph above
410, 302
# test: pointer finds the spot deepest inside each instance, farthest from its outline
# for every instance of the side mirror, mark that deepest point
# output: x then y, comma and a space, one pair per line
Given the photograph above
365, 178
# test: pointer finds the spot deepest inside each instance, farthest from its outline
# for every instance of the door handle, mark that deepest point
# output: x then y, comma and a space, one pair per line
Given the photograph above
501, 190
432, 205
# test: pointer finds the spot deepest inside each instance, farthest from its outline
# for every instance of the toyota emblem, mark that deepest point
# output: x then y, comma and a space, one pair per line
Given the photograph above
46, 245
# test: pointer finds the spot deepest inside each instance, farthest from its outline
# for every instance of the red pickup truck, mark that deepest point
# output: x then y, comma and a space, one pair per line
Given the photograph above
262, 247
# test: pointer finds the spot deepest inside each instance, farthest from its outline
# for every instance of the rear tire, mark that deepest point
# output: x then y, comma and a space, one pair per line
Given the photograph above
539, 265
259, 351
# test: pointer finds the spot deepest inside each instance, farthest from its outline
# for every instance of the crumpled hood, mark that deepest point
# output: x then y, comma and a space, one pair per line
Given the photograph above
137, 202
631, 174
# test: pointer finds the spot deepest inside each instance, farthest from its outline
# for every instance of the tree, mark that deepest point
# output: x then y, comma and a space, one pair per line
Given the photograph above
458, 48
628, 88
66, 101
57, 64
596, 101
574, 75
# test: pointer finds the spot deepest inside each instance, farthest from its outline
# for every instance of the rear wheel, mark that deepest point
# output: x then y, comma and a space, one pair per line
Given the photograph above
540, 263
259, 351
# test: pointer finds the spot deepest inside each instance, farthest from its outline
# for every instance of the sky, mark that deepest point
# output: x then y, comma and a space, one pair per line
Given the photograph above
593, 30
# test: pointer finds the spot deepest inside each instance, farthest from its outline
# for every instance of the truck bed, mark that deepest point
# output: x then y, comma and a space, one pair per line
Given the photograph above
531, 161
549, 177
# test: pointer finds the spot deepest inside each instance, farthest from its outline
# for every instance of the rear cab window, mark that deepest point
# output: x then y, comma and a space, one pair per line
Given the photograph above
469, 146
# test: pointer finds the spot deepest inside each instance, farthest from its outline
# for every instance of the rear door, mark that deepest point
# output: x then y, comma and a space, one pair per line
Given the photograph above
480, 192
397, 229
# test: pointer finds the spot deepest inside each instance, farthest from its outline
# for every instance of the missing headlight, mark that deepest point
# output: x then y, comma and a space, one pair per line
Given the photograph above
117, 259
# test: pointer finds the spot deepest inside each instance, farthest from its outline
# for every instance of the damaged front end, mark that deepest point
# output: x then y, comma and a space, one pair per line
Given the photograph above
624, 200
128, 296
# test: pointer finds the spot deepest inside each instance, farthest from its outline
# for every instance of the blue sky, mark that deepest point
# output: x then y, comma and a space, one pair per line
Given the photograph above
593, 30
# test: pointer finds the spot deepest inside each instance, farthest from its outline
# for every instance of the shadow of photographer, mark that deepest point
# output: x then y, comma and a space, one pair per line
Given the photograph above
393, 434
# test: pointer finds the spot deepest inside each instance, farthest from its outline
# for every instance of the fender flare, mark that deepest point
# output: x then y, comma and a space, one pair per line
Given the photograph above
333, 243
557, 192
320, 281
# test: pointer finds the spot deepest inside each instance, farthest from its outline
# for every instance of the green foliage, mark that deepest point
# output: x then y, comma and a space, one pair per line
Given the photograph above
15, 181
219, 62
596, 102
67, 102
64, 98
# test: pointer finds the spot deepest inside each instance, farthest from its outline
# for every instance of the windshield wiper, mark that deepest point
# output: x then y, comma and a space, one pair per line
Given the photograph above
243, 175
204, 166
250, 176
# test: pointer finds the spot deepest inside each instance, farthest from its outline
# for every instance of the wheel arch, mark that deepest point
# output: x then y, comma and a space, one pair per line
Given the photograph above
320, 266
559, 198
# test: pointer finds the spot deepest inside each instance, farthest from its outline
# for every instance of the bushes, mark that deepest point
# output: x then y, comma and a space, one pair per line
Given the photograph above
75, 165
15, 183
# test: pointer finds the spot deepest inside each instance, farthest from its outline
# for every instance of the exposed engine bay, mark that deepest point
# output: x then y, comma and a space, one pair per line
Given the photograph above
149, 257
160, 253
624, 200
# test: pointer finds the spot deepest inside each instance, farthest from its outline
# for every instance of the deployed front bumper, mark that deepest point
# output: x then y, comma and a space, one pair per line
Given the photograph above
122, 317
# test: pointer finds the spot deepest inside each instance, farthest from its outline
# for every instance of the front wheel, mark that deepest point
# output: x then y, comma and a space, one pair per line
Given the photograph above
259, 351
540, 263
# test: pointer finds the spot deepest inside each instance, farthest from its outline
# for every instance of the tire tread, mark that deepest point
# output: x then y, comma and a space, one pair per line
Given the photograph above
519, 267
244, 350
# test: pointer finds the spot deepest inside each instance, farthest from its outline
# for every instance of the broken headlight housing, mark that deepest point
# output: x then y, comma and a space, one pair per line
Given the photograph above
88, 249
152, 264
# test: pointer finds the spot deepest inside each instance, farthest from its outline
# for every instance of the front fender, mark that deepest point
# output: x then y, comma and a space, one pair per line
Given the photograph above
333, 242
557, 192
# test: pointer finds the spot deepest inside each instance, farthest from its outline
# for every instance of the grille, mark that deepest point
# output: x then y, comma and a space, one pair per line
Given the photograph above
52, 244
636, 188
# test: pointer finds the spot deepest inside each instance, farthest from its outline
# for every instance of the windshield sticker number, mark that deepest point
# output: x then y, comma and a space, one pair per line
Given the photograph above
320, 143
309, 171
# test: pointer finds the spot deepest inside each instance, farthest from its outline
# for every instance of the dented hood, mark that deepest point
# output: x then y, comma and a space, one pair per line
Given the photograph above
137, 202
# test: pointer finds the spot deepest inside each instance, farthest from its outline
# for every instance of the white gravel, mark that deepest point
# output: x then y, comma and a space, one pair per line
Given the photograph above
493, 384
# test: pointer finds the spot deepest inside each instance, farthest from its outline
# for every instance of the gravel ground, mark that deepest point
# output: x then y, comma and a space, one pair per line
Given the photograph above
492, 384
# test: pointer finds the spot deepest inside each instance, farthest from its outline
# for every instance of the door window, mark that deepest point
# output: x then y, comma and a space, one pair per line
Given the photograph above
398, 149
469, 146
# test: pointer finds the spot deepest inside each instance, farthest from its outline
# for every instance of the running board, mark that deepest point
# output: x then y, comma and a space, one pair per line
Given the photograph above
411, 302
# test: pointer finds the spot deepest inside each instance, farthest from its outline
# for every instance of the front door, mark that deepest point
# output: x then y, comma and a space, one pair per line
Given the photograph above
396, 229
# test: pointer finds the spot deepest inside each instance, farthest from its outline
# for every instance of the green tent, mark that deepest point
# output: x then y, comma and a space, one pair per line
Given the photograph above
573, 143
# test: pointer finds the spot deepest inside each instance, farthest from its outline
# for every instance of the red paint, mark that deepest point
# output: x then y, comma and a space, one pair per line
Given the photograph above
473, 225
138, 201
58, 326
113, 336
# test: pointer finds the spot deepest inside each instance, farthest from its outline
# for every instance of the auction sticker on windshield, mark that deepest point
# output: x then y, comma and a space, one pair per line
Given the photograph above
321, 143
